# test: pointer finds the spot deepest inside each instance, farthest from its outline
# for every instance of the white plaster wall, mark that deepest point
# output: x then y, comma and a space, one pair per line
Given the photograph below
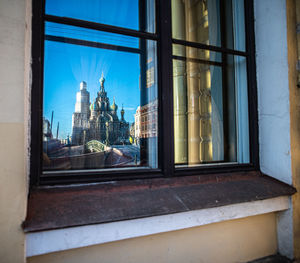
273, 88
273, 104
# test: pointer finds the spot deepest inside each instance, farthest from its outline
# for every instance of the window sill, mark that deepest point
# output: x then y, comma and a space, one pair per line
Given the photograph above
43, 242
99, 213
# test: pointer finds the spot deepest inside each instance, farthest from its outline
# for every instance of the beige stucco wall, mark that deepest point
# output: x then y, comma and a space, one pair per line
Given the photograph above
231, 241
13, 182
292, 19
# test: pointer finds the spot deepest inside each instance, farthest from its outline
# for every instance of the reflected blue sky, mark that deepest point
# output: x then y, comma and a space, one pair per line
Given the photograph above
122, 13
66, 65
56, 29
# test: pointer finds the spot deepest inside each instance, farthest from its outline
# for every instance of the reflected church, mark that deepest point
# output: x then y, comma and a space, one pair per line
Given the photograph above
98, 120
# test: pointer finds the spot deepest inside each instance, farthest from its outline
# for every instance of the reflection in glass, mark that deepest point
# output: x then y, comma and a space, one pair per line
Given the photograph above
210, 108
201, 21
100, 106
199, 55
132, 14
73, 32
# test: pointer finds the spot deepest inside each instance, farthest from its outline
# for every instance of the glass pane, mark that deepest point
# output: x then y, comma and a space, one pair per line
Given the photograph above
132, 14
201, 21
73, 32
100, 107
194, 54
210, 109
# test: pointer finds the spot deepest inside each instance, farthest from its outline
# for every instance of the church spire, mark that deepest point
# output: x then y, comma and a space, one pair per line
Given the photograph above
122, 113
102, 80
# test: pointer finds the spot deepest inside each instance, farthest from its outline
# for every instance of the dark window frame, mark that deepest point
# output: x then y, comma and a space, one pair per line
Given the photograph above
163, 36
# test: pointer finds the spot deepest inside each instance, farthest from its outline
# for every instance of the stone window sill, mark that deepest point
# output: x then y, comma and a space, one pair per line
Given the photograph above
83, 215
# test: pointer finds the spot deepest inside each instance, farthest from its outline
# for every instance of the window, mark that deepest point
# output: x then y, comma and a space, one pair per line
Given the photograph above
210, 87
161, 88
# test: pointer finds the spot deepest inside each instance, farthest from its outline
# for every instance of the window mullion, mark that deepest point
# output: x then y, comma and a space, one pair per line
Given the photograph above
37, 50
166, 88
100, 27
251, 79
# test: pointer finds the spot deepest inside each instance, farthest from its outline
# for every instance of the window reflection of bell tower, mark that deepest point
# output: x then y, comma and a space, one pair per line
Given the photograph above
81, 115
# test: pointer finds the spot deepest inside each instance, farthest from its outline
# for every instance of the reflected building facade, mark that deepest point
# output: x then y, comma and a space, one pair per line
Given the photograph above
98, 120
146, 121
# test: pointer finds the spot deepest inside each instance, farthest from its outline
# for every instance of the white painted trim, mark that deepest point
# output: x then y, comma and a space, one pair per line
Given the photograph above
44, 242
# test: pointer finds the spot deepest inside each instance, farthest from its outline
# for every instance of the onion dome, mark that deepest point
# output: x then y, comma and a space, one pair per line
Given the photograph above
102, 79
114, 106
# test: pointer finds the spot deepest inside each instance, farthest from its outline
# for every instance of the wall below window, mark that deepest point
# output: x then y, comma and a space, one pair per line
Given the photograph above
13, 191
238, 240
